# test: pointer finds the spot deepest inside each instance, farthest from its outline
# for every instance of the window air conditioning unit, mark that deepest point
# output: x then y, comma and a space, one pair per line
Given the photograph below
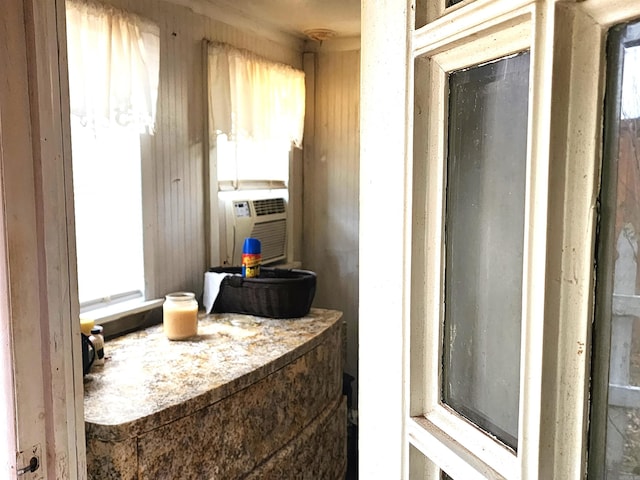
264, 219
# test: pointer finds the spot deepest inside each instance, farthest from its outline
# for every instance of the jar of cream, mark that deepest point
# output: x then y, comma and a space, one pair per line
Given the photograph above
180, 315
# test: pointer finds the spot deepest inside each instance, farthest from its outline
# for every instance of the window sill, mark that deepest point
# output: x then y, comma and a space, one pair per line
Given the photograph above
123, 317
116, 311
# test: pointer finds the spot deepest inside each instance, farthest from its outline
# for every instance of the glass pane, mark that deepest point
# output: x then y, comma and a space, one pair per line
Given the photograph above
107, 188
452, 2
246, 159
616, 422
488, 107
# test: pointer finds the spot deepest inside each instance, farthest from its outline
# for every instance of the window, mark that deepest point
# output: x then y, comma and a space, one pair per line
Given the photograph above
484, 228
245, 162
255, 119
256, 115
472, 171
616, 422
113, 82
108, 211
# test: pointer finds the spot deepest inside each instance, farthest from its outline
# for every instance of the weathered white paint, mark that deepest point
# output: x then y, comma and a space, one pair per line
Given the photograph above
573, 121
7, 392
384, 239
439, 53
36, 239
563, 181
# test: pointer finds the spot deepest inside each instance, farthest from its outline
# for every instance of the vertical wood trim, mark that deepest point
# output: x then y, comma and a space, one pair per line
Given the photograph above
535, 242
574, 172
51, 153
35, 166
383, 226
309, 66
208, 184
7, 391
19, 202
294, 212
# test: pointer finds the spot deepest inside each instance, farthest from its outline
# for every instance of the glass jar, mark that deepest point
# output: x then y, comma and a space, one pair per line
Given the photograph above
98, 344
180, 315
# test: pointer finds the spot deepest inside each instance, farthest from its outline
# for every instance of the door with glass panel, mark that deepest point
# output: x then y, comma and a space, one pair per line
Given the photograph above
507, 155
615, 439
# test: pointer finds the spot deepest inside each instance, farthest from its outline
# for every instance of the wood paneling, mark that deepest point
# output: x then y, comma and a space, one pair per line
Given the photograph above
173, 158
331, 190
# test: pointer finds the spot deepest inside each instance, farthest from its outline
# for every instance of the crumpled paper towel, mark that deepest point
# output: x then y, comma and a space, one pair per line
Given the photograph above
212, 281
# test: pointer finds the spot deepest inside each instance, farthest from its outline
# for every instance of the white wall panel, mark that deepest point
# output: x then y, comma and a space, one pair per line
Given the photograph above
331, 189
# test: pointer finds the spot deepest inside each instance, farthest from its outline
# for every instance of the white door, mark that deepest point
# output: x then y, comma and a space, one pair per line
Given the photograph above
480, 169
41, 378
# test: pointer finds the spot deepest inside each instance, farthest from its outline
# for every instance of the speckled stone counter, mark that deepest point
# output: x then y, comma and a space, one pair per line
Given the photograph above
248, 397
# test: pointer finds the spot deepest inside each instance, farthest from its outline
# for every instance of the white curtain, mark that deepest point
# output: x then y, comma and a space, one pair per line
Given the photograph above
250, 97
114, 60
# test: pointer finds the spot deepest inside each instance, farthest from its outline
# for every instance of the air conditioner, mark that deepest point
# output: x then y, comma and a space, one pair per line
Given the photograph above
264, 219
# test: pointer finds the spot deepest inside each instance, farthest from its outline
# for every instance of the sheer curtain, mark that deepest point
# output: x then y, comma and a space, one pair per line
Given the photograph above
114, 65
253, 98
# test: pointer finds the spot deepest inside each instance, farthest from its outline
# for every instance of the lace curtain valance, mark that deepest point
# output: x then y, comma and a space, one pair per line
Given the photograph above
250, 97
114, 59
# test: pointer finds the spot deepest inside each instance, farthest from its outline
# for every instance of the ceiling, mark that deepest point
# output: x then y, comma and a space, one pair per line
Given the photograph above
296, 17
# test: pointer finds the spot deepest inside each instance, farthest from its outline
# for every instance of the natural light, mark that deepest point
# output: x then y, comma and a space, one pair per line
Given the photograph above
251, 160
108, 204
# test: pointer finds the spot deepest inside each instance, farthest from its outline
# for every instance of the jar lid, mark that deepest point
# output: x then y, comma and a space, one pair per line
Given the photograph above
86, 324
97, 329
181, 296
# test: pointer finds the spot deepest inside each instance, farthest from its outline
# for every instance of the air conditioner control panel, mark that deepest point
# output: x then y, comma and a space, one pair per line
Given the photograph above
242, 209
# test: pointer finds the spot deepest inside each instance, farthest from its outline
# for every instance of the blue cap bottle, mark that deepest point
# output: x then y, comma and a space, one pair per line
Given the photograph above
251, 257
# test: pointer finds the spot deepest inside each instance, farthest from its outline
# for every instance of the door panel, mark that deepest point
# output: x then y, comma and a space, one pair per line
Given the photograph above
37, 299
401, 395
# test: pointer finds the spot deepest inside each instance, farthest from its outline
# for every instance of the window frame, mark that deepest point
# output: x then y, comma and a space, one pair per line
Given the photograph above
118, 309
119, 313
434, 423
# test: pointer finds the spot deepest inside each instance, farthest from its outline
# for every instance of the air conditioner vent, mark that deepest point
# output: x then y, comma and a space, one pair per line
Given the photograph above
273, 237
269, 206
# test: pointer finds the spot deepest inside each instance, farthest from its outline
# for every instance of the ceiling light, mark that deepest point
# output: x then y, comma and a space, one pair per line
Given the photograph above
319, 34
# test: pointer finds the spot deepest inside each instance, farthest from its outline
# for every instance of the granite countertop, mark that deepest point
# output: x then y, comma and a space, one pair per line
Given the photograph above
148, 380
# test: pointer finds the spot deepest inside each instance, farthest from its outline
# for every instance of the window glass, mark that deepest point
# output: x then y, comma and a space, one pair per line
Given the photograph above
249, 160
108, 212
616, 410
452, 2
484, 231
113, 66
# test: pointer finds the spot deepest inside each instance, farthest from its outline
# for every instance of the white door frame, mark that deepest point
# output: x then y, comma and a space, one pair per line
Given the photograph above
39, 292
